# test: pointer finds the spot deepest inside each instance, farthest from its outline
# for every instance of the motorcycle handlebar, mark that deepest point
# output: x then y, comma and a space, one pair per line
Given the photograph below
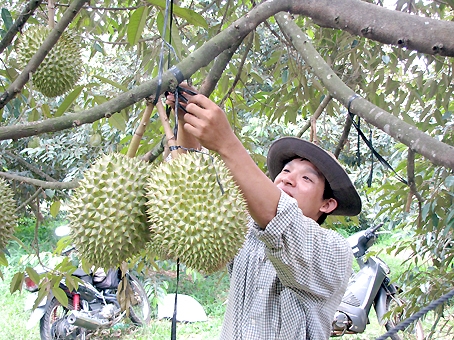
374, 229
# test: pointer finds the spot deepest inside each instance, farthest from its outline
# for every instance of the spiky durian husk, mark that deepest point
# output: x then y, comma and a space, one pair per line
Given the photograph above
107, 212
62, 66
190, 216
7, 214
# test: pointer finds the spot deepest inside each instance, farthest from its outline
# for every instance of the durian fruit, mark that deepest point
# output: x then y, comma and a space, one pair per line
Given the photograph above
107, 212
62, 66
7, 214
196, 211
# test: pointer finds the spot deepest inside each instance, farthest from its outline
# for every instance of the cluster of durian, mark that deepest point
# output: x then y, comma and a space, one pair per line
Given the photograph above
196, 211
107, 212
189, 209
62, 66
7, 214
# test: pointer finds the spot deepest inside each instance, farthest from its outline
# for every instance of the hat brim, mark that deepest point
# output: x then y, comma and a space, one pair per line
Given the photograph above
287, 148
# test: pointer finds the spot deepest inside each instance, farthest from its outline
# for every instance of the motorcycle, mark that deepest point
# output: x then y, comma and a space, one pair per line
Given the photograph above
371, 285
92, 307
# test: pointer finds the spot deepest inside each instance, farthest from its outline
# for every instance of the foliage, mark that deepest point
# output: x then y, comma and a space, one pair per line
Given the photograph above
267, 89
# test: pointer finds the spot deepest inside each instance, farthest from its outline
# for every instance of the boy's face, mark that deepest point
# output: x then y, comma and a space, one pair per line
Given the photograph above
301, 180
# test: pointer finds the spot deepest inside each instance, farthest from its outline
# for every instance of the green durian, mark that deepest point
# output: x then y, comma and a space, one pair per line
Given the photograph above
107, 212
62, 66
196, 211
7, 214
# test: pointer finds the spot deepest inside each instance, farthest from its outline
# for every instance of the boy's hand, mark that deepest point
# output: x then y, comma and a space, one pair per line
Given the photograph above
184, 93
208, 123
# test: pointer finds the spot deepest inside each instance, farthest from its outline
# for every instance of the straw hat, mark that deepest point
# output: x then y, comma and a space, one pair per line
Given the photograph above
287, 148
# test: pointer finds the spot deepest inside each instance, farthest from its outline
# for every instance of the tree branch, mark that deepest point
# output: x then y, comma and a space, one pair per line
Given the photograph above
188, 66
19, 23
219, 65
422, 34
316, 114
30, 167
344, 137
31, 198
240, 69
42, 52
434, 150
39, 183
154, 153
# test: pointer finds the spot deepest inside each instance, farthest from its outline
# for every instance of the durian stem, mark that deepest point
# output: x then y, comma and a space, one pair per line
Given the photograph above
51, 13
168, 131
135, 142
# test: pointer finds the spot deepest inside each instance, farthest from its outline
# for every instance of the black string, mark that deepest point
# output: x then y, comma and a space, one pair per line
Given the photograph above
369, 143
173, 335
371, 174
358, 142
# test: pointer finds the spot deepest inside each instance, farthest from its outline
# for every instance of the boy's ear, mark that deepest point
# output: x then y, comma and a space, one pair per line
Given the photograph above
329, 205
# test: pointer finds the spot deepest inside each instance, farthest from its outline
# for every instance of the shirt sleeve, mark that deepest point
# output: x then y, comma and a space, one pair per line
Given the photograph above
306, 256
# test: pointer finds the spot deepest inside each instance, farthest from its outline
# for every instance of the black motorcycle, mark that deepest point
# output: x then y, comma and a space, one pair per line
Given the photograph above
370, 286
92, 307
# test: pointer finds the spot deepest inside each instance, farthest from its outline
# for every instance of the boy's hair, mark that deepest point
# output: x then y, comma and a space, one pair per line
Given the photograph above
327, 193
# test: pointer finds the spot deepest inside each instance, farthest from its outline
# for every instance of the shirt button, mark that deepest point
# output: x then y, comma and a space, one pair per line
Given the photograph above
252, 322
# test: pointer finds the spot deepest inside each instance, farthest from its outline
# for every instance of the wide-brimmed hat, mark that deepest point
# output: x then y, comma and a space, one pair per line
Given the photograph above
287, 148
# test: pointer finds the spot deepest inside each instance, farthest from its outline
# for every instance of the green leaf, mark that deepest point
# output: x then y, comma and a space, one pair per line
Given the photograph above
111, 82
136, 24
60, 295
70, 98
50, 193
117, 121
46, 110
16, 282
55, 208
189, 15
42, 293
7, 18
3, 260
32, 274
449, 181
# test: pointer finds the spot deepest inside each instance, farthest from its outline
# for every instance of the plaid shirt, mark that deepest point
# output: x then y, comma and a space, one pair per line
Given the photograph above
288, 280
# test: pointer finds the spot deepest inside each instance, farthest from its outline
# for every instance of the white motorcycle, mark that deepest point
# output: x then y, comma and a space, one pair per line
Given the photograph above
370, 286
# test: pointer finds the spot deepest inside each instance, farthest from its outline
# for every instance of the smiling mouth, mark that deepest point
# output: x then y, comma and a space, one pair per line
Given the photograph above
287, 192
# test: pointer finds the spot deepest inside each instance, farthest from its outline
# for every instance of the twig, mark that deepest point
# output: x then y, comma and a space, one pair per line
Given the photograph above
31, 198
154, 153
412, 185
316, 114
135, 142
19, 23
29, 166
168, 131
240, 68
39, 183
344, 138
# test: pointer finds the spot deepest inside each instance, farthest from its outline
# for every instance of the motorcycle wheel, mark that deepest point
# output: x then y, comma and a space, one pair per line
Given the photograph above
140, 311
416, 332
55, 312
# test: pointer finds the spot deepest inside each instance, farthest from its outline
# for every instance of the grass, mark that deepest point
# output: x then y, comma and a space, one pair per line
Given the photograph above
210, 291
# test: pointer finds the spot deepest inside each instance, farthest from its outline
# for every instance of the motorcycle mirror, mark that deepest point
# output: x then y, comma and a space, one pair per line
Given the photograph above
62, 230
